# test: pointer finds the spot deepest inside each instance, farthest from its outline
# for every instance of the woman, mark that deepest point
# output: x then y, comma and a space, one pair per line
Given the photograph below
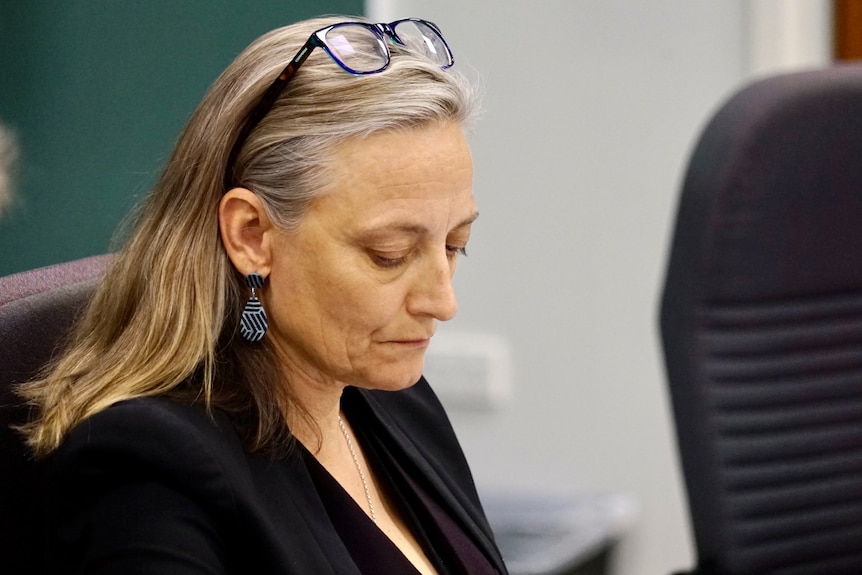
241, 395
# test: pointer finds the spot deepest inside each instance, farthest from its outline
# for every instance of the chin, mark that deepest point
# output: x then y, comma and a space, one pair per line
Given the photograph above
396, 382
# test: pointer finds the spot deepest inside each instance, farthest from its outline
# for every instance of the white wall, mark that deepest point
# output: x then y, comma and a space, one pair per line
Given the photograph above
592, 109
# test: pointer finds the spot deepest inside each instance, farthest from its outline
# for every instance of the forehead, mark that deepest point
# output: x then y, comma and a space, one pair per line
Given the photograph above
424, 150
424, 169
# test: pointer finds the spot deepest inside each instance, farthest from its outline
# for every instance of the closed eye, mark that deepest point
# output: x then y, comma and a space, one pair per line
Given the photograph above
387, 262
454, 251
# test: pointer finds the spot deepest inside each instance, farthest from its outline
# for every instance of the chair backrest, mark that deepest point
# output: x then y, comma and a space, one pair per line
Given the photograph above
761, 320
37, 309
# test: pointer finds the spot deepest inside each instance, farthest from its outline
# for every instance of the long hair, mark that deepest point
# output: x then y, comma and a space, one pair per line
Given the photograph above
163, 321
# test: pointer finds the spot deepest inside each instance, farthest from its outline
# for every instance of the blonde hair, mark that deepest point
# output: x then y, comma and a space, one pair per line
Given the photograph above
164, 319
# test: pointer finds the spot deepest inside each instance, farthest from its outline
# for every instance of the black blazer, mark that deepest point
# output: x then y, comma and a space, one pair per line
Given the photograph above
153, 486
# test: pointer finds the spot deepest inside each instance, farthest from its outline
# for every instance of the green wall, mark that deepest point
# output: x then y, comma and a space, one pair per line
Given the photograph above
96, 92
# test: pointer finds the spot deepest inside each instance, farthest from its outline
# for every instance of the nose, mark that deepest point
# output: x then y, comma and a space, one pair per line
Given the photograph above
433, 294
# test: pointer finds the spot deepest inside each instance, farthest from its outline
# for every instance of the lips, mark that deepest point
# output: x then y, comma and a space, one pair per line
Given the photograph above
414, 342
415, 338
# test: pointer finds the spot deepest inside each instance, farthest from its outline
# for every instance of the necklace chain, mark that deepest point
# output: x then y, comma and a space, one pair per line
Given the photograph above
358, 468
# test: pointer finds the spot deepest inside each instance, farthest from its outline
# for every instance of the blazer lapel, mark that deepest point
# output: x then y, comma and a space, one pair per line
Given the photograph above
300, 525
416, 413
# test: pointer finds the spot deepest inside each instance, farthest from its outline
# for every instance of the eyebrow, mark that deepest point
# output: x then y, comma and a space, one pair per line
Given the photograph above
419, 229
468, 220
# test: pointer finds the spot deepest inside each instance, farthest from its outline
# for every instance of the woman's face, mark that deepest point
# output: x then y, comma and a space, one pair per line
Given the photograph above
354, 294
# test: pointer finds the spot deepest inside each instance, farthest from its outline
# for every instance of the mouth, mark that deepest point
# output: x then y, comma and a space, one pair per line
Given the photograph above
418, 343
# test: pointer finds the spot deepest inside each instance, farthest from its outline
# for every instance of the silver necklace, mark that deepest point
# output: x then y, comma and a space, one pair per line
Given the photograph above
358, 468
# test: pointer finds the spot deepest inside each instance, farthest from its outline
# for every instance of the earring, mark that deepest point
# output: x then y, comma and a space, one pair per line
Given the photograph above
253, 324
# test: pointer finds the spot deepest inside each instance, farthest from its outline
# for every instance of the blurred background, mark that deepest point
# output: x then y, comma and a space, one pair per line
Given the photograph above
552, 371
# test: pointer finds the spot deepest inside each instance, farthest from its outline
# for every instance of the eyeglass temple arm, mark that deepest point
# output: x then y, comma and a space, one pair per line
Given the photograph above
267, 100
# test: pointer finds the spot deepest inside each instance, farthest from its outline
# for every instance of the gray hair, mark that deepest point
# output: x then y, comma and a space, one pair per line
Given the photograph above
285, 158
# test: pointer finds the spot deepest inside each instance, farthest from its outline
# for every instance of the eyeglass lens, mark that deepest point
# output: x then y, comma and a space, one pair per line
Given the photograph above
423, 39
360, 50
357, 47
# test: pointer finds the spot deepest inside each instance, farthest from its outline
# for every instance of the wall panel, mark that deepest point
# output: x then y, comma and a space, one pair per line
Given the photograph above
97, 91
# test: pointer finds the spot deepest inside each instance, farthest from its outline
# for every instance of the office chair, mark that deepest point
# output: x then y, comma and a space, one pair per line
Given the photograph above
761, 323
37, 308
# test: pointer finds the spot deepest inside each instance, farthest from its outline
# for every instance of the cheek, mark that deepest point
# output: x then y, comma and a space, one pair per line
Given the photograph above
344, 307
363, 308
325, 292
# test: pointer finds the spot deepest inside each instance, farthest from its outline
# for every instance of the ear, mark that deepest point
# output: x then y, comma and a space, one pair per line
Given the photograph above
246, 231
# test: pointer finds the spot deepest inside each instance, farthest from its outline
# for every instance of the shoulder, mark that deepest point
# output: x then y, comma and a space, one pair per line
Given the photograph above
150, 436
151, 423
146, 484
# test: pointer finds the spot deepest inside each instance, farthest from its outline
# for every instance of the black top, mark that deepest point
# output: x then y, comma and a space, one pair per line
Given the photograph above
444, 542
153, 486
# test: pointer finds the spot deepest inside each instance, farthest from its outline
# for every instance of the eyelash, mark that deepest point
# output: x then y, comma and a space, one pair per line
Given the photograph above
451, 252
456, 251
388, 262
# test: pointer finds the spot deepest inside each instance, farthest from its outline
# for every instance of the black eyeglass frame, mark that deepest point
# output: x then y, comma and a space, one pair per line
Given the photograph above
317, 39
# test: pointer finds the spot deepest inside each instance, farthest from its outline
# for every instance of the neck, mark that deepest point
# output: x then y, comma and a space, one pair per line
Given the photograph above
314, 423
316, 399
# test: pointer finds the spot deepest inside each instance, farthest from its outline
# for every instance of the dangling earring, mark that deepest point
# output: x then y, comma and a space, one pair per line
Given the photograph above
253, 324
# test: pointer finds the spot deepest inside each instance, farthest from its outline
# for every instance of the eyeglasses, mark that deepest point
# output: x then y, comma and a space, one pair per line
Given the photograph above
359, 49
